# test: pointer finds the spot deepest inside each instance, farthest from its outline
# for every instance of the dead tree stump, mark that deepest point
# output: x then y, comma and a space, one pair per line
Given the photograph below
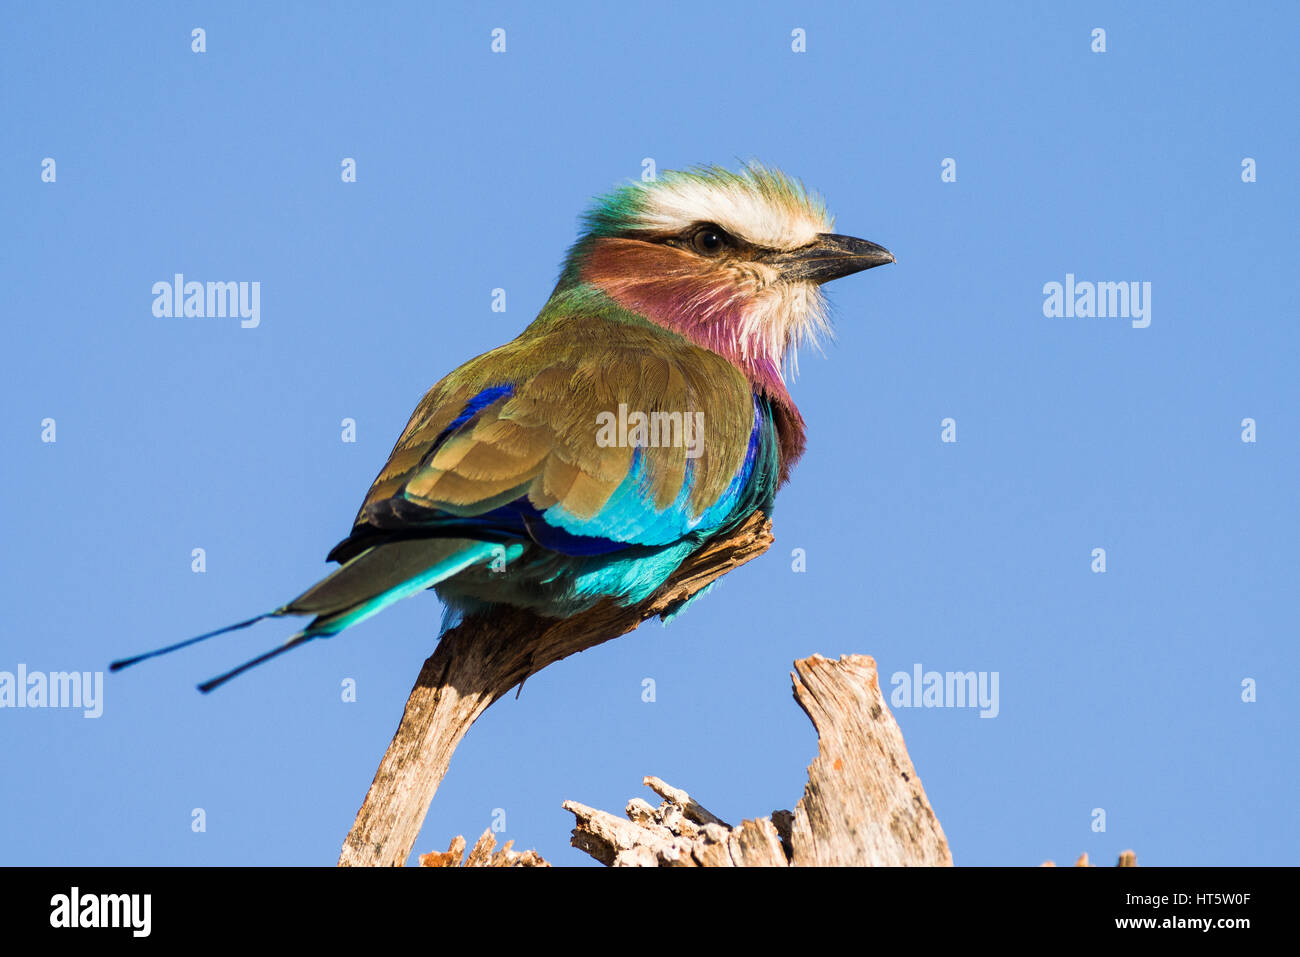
863, 803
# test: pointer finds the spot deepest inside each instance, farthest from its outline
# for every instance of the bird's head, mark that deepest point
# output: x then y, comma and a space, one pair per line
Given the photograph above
732, 261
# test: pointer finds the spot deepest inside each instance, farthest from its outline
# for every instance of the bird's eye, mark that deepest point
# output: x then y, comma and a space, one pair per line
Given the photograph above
709, 241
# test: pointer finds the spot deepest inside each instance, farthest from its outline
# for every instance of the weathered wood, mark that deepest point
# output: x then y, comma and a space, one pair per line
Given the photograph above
863, 804
483, 854
678, 833
479, 662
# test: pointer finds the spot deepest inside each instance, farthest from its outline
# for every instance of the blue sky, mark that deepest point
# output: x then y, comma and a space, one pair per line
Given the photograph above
1120, 691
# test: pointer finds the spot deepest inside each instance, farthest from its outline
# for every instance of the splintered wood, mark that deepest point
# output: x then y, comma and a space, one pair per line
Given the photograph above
484, 854
678, 833
863, 804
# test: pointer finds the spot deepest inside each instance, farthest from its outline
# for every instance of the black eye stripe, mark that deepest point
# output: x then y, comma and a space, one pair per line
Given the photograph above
705, 239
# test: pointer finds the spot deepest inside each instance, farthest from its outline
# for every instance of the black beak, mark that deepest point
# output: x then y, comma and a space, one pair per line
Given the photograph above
829, 257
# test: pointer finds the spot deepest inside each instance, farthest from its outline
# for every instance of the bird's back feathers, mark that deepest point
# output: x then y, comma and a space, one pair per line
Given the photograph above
522, 424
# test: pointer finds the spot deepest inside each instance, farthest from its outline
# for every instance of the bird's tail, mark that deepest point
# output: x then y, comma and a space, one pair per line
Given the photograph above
364, 586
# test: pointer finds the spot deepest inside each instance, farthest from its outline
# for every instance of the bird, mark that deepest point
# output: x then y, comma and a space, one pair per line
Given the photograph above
643, 413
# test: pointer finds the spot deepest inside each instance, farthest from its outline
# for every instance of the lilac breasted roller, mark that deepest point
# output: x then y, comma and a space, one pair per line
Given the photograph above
641, 414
